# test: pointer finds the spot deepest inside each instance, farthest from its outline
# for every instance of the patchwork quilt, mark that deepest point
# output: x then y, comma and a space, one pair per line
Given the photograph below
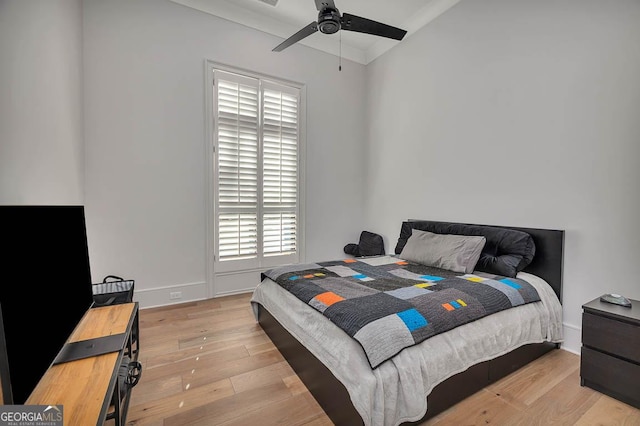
388, 304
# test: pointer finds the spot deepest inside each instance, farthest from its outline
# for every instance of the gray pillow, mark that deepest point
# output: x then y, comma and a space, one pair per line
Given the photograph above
457, 253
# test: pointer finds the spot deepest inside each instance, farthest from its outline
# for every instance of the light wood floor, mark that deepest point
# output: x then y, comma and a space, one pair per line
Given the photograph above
209, 363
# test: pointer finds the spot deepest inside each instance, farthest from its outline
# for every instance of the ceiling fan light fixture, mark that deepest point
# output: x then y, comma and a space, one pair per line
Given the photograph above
329, 21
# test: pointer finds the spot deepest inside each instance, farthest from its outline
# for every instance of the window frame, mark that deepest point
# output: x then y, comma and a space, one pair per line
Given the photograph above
214, 265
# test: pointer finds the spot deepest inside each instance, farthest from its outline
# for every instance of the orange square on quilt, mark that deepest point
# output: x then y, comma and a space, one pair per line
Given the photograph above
448, 307
329, 298
402, 263
350, 261
308, 276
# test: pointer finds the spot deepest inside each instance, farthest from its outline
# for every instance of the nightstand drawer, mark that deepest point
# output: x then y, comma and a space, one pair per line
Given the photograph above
612, 336
607, 374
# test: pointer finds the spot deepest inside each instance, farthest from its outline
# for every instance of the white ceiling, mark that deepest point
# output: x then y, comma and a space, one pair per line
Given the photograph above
289, 16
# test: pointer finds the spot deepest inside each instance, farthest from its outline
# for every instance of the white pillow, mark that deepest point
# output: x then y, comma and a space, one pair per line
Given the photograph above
457, 253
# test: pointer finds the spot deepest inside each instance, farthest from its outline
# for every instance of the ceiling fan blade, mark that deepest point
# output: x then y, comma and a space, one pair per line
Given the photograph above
363, 25
305, 32
322, 4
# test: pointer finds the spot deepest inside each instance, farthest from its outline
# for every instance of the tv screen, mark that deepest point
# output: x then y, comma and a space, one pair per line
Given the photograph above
45, 288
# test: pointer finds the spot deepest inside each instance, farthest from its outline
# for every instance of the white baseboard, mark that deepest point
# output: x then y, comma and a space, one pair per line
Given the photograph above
190, 292
572, 338
161, 296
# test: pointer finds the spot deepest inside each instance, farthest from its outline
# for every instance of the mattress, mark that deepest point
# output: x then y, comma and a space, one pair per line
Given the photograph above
396, 391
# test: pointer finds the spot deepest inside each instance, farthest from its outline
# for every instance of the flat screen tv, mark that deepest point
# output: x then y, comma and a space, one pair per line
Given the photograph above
45, 289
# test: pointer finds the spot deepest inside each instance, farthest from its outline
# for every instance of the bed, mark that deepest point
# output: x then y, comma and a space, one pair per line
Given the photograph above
355, 384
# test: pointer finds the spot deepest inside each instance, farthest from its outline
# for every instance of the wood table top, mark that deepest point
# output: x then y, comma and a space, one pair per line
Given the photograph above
82, 386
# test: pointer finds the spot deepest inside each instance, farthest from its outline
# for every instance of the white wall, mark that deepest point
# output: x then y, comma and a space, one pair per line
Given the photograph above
517, 113
41, 140
144, 123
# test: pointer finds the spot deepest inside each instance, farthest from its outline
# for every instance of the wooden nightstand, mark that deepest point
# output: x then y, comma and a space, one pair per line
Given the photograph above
610, 361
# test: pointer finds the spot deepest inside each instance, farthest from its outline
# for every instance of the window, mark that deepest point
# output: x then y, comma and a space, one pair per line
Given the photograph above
256, 135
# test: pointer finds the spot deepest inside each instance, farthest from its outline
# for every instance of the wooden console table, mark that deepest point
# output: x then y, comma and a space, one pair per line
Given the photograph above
88, 388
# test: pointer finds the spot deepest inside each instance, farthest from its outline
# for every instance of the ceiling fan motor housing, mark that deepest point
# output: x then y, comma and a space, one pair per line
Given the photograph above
329, 20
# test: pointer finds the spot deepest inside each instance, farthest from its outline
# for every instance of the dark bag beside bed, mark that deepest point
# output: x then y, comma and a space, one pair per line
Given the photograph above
370, 244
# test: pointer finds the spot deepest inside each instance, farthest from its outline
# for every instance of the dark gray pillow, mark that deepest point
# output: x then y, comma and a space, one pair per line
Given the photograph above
457, 253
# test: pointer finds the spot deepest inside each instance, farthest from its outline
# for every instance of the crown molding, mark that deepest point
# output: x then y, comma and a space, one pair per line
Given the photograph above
424, 16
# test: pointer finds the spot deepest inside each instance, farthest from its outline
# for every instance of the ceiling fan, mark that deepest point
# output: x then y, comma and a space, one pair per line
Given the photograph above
330, 21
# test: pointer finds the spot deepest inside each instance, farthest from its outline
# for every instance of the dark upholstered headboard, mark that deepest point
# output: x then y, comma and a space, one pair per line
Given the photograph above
547, 262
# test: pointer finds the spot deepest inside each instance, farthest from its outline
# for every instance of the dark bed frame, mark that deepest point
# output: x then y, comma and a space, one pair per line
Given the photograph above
333, 396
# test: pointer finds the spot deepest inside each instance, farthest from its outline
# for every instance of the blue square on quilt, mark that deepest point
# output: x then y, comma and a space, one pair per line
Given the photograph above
362, 277
408, 292
431, 278
510, 283
412, 319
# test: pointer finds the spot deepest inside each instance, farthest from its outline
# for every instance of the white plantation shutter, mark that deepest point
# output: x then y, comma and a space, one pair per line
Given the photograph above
237, 120
256, 133
238, 235
279, 233
280, 169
